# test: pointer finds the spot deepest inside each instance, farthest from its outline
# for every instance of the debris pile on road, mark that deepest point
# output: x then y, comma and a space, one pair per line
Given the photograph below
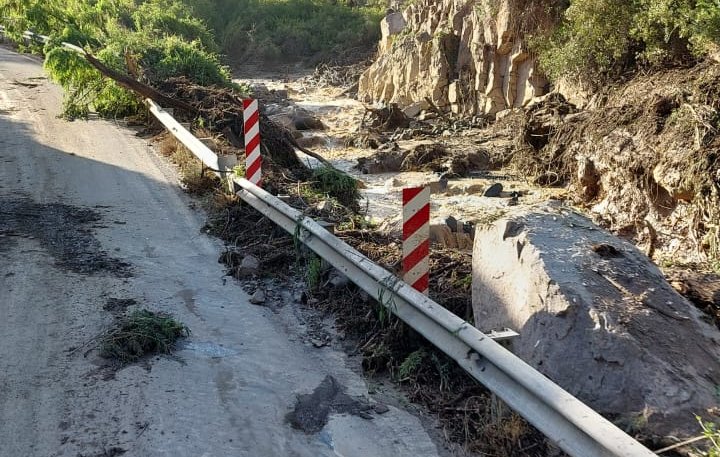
141, 333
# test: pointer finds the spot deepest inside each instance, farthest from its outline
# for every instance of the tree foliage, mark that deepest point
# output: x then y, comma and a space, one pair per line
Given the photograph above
161, 36
602, 38
291, 30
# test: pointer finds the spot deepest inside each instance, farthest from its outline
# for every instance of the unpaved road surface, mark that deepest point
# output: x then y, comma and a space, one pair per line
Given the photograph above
91, 221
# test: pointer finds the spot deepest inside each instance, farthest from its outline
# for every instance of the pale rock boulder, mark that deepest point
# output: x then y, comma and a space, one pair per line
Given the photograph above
598, 318
391, 25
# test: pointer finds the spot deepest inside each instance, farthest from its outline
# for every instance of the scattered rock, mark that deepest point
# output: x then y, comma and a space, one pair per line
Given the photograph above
494, 191
306, 121
258, 298
414, 109
380, 408
452, 223
338, 279
250, 263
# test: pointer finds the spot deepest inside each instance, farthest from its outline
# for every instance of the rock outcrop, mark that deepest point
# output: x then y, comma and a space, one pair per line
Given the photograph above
598, 318
465, 56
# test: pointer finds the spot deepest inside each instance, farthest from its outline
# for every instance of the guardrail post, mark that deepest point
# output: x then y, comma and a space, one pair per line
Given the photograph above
253, 159
416, 238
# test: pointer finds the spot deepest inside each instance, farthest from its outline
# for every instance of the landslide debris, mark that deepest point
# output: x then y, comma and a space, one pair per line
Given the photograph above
469, 414
644, 162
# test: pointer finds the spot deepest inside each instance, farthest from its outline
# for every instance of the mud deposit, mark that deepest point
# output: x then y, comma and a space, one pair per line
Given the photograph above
65, 232
312, 410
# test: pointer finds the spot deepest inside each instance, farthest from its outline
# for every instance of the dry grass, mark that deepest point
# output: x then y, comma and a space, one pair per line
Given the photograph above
195, 178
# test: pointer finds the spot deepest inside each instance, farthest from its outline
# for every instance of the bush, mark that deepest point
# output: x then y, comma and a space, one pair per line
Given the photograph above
142, 333
603, 38
290, 29
338, 185
161, 36
593, 38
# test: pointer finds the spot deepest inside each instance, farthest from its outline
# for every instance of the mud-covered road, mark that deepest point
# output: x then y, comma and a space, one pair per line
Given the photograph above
91, 217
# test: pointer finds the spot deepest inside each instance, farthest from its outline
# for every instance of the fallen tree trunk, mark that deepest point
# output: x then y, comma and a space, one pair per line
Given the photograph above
139, 88
278, 143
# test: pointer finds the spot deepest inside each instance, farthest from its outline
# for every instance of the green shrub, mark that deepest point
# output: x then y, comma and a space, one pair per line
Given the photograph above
602, 38
290, 29
337, 184
142, 333
593, 37
162, 36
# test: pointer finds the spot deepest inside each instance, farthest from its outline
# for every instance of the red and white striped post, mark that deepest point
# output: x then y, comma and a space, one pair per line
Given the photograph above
416, 238
253, 160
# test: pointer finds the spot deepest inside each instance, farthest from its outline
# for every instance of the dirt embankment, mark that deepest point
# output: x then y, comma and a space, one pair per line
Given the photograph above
644, 162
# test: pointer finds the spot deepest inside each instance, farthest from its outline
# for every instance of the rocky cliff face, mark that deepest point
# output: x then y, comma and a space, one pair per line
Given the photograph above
465, 56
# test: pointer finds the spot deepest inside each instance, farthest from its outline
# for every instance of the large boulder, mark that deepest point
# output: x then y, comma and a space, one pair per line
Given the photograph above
598, 318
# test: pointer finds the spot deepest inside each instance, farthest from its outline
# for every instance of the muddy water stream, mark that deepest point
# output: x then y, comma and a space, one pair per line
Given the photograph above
461, 198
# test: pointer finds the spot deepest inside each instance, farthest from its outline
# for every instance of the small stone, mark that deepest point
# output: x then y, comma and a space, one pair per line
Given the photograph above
452, 223
380, 408
318, 343
494, 190
258, 297
339, 280
250, 262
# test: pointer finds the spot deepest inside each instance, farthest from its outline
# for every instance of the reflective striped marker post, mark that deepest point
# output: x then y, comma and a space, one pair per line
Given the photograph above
253, 160
416, 238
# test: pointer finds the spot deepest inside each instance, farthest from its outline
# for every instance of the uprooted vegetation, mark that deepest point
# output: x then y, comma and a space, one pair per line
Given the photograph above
139, 334
645, 162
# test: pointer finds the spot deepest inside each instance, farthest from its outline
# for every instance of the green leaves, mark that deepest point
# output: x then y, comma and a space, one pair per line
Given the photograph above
161, 35
599, 39
289, 29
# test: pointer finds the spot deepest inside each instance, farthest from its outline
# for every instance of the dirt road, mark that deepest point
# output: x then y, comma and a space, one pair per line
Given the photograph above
90, 217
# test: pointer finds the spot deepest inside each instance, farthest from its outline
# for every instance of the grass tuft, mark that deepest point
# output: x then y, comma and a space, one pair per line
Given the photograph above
337, 184
142, 333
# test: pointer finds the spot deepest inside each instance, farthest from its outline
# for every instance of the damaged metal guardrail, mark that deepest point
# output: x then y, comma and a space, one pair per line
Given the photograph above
572, 425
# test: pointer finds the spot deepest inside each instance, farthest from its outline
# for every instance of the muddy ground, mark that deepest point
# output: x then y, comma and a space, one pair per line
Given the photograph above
64, 231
